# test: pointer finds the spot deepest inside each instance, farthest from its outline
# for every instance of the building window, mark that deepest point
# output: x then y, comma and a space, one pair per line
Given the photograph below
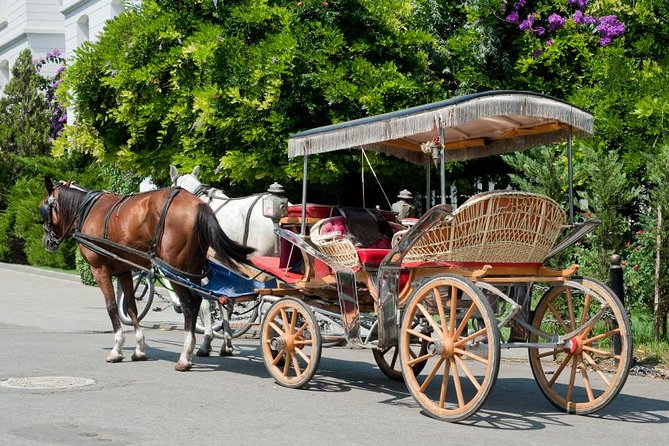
82, 30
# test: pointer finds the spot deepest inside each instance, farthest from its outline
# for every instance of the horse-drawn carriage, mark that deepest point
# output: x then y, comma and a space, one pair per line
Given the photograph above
437, 301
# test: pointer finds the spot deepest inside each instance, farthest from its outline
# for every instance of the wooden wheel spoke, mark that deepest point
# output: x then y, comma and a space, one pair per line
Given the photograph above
284, 318
462, 341
586, 382
558, 317
570, 306
286, 363
303, 355
597, 368
601, 335
278, 357
428, 316
559, 370
454, 307
428, 378
301, 329
296, 365
440, 306
444, 383
418, 334
458, 386
395, 355
418, 359
276, 328
468, 372
572, 378
586, 308
293, 320
464, 321
471, 355
601, 352
303, 342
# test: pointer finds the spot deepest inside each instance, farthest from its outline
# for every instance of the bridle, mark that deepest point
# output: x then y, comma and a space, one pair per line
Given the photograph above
51, 240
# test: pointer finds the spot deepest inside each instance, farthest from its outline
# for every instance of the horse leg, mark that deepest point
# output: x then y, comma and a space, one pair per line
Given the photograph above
190, 303
103, 278
226, 349
205, 315
130, 308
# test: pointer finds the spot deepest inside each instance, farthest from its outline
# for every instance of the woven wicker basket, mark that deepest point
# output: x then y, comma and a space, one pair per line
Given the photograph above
335, 246
495, 227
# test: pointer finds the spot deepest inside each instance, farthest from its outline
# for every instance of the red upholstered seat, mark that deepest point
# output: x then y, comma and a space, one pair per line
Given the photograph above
371, 256
313, 210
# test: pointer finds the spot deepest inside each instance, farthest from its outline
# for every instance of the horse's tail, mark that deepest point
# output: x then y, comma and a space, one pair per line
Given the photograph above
211, 235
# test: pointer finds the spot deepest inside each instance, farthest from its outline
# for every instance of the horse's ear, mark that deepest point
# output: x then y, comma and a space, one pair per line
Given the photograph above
196, 171
174, 173
48, 185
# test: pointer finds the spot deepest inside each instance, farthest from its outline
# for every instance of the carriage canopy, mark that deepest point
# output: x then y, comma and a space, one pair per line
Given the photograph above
473, 126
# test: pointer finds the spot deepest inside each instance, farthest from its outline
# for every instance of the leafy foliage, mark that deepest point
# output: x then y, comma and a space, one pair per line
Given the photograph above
222, 86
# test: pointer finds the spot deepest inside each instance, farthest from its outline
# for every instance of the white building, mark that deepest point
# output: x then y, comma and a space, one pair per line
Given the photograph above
48, 25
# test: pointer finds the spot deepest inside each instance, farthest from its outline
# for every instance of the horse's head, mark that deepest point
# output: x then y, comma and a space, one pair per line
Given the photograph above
57, 212
187, 181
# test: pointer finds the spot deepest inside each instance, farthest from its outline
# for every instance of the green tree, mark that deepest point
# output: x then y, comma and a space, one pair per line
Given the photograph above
223, 85
24, 123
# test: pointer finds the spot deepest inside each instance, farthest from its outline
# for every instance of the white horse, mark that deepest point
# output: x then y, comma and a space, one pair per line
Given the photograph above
243, 221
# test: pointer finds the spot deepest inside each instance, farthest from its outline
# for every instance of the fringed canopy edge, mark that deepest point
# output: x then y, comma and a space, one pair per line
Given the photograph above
476, 125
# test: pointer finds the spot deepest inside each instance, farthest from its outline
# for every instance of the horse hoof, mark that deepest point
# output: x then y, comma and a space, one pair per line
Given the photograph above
139, 357
227, 352
183, 366
114, 358
202, 353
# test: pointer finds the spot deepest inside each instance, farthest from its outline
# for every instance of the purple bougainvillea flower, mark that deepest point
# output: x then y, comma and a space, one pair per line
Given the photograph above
578, 17
539, 31
605, 41
555, 21
519, 4
549, 42
526, 24
513, 17
579, 3
610, 26
589, 20
537, 53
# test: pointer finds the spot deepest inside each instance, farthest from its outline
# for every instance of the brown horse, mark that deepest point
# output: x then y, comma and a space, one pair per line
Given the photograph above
116, 234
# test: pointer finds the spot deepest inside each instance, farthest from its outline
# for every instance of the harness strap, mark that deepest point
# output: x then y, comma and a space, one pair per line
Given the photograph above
161, 223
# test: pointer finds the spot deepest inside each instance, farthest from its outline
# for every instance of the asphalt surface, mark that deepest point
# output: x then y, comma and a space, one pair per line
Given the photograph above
52, 326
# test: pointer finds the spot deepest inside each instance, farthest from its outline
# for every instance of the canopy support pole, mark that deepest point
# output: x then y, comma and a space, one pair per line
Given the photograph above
428, 192
570, 173
442, 162
303, 229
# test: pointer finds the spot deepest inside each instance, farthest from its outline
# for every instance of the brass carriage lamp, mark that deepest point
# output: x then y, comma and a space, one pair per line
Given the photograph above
274, 207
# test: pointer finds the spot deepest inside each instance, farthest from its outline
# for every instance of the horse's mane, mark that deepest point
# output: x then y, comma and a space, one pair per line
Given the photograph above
69, 199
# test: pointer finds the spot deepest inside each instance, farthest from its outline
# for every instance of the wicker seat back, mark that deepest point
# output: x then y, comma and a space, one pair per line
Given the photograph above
494, 227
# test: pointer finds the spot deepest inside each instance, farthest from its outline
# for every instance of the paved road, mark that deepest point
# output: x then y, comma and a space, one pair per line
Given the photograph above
50, 325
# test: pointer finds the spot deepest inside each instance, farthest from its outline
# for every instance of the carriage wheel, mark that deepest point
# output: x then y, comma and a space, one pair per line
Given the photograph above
463, 352
291, 342
589, 369
144, 289
389, 363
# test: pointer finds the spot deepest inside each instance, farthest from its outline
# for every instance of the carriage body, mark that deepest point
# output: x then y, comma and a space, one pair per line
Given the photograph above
456, 287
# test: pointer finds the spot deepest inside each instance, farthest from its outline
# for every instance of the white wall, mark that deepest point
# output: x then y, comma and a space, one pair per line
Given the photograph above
34, 24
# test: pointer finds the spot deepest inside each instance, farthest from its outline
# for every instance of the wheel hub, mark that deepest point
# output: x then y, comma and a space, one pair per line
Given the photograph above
573, 346
277, 344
